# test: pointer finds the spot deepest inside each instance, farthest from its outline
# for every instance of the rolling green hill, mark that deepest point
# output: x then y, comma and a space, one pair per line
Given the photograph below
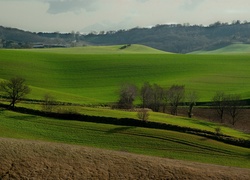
138, 140
118, 49
176, 38
94, 77
231, 49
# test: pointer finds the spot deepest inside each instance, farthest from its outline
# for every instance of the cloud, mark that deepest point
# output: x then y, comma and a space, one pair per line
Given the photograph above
63, 6
142, 1
191, 4
88, 15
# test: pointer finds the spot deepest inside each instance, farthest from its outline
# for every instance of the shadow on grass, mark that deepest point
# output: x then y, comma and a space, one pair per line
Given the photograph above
2, 110
248, 156
27, 117
120, 129
203, 123
203, 139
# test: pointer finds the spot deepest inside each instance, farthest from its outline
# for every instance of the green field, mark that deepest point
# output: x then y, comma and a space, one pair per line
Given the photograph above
123, 138
237, 48
153, 117
118, 49
95, 78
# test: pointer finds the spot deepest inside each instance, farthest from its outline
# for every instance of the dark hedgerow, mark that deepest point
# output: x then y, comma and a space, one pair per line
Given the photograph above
137, 123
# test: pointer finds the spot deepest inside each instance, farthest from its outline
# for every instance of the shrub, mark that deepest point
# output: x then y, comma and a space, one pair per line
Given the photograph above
143, 114
218, 130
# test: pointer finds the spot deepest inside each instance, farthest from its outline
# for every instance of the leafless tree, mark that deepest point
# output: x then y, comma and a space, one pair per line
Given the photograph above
49, 103
152, 96
176, 95
164, 99
157, 97
234, 107
143, 114
146, 94
14, 89
192, 98
127, 95
220, 102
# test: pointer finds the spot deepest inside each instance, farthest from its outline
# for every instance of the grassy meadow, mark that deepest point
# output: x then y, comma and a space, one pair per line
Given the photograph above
137, 140
153, 117
236, 48
118, 49
93, 76
72, 75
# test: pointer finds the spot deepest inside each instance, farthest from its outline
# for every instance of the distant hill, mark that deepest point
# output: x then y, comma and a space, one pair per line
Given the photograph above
174, 38
13, 34
177, 38
16, 38
115, 49
237, 48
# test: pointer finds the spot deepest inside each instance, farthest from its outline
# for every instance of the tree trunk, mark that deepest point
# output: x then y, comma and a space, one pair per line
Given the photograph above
190, 110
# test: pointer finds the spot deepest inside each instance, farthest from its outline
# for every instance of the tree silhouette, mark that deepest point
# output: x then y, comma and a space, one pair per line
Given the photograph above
14, 89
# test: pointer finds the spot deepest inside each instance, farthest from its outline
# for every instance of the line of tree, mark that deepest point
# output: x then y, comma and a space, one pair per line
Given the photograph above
230, 104
157, 98
153, 97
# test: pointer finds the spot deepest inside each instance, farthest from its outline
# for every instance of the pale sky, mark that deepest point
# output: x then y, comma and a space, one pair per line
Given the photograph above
97, 15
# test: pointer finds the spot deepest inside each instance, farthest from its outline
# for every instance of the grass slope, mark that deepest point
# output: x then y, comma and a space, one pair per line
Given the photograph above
41, 160
231, 49
95, 78
154, 142
153, 117
118, 49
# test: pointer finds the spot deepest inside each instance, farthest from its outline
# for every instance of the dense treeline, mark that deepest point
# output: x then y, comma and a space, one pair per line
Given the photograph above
16, 38
178, 38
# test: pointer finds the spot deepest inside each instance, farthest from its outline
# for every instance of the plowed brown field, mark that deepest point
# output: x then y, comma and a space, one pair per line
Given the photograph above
22, 159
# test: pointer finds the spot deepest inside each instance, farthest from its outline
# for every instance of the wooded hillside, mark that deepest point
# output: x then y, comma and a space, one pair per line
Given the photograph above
175, 38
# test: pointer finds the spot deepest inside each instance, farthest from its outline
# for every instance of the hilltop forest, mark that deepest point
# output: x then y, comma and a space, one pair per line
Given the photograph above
176, 38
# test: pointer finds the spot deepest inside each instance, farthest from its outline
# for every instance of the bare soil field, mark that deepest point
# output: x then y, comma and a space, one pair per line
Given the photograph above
243, 120
22, 159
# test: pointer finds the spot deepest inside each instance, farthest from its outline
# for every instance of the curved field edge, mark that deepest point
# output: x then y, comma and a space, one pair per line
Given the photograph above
116, 49
21, 159
154, 142
96, 78
154, 117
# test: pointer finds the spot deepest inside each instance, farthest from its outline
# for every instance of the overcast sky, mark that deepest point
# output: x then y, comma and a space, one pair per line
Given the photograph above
97, 15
